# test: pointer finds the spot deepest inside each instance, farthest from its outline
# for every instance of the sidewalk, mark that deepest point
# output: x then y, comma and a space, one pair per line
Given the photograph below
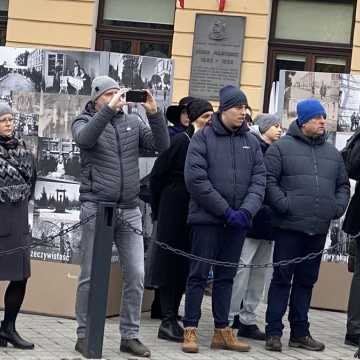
55, 340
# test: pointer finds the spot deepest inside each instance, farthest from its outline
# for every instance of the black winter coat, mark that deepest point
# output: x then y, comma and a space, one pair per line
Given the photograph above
307, 183
223, 169
170, 204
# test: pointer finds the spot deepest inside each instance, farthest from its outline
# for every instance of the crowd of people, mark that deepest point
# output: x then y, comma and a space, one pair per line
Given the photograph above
223, 188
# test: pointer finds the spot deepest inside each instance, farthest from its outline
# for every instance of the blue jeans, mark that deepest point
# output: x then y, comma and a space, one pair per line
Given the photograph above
295, 280
131, 253
218, 243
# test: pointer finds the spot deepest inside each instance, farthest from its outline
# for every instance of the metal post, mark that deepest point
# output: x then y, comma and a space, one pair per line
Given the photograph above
99, 283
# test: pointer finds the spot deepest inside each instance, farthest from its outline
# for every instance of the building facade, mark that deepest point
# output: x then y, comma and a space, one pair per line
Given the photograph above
309, 35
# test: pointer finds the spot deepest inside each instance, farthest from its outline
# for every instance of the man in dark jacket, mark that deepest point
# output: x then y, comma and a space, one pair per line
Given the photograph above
307, 187
109, 142
225, 176
249, 283
351, 226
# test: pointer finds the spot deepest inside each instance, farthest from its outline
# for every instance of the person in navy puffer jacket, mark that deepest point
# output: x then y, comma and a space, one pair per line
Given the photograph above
226, 178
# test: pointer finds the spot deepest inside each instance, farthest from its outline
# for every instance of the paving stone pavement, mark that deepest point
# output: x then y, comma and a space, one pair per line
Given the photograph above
55, 340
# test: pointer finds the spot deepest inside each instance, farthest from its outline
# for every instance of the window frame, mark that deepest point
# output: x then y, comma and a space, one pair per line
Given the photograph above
133, 33
310, 49
3, 23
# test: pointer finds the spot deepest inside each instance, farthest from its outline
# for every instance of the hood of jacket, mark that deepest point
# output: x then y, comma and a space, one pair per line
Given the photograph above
221, 130
295, 131
254, 129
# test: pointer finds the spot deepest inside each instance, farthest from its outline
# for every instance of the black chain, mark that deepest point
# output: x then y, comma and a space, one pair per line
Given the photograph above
296, 260
49, 238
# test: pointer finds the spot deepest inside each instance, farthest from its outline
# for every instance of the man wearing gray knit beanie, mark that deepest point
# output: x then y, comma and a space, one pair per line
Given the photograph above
109, 142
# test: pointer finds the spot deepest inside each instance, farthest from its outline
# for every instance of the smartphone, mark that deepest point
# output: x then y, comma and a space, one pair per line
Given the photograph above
136, 96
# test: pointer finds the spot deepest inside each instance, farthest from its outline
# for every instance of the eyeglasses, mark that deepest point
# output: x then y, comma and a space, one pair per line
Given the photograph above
9, 119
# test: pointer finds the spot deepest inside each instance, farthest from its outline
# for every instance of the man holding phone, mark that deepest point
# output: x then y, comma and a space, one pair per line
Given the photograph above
109, 142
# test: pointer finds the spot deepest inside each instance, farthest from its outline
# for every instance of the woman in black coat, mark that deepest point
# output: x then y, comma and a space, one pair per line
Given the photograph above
17, 180
170, 202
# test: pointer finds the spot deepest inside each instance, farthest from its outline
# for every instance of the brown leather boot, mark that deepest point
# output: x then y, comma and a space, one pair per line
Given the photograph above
225, 339
190, 344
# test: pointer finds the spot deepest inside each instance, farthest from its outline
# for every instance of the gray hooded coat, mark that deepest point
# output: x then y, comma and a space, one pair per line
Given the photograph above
109, 149
307, 183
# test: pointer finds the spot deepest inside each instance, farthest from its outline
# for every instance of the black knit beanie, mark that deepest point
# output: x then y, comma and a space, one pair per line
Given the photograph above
198, 107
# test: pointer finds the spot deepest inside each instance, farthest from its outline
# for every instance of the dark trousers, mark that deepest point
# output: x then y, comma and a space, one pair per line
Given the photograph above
296, 281
219, 243
353, 321
170, 298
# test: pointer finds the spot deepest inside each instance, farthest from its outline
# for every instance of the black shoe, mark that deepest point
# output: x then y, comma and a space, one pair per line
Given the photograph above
307, 343
352, 340
134, 347
273, 343
80, 346
251, 332
171, 330
236, 322
8, 334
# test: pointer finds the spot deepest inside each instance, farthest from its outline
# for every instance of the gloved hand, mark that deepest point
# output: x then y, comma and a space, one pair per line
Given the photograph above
238, 218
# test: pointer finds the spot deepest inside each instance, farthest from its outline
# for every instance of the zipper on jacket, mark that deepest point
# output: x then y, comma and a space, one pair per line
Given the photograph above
316, 177
234, 168
120, 159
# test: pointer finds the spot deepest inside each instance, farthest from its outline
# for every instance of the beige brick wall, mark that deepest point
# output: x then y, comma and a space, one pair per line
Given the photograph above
254, 62
51, 23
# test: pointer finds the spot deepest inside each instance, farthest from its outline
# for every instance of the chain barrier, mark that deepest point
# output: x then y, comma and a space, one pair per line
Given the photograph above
179, 252
50, 238
296, 260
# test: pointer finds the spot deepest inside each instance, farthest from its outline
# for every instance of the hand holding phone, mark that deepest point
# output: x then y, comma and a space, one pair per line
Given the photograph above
117, 101
150, 103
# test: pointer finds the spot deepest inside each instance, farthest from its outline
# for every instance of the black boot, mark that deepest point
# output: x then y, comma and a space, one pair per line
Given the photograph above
9, 334
171, 330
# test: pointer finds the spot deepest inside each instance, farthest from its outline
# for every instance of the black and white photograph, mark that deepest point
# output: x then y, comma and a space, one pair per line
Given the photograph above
335, 234
20, 70
26, 109
57, 113
31, 143
300, 85
71, 72
349, 112
142, 72
58, 159
57, 207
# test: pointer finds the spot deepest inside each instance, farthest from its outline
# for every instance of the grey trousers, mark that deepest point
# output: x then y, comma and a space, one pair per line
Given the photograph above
353, 318
131, 253
248, 286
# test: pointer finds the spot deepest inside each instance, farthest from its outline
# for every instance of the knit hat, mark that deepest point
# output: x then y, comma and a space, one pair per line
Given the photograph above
309, 109
102, 84
231, 96
4, 108
266, 121
198, 107
173, 112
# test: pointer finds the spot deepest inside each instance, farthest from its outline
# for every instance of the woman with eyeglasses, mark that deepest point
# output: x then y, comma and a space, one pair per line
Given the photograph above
17, 181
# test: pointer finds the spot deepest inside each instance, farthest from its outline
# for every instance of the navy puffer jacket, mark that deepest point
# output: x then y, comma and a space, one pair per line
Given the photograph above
307, 183
223, 169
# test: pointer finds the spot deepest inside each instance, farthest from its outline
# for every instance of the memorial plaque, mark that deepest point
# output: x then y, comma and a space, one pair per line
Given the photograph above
217, 54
